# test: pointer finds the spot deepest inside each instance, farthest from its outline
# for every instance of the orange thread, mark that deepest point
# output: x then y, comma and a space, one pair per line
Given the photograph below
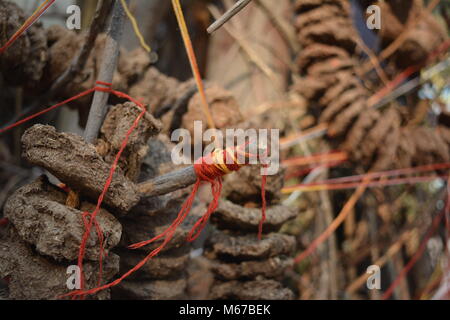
193, 62
354, 185
63, 187
349, 205
423, 245
28, 23
303, 172
210, 169
320, 158
406, 73
350, 182
92, 221
93, 215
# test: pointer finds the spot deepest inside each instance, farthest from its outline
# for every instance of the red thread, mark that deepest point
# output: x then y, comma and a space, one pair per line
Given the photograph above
307, 170
263, 207
209, 169
423, 245
205, 172
409, 71
4, 222
92, 221
78, 96
104, 83
63, 187
105, 189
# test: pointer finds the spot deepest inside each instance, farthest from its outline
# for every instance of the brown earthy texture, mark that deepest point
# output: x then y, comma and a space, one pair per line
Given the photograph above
153, 222
244, 248
33, 277
42, 219
78, 165
245, 185
166, 97
233, 216
245, 267
168, 264
251, 290
25, 60
41, 56
150, 290
115, 127
271, 268
164, 276
118, 122
222, 105
336, 96
333, 85
421, 39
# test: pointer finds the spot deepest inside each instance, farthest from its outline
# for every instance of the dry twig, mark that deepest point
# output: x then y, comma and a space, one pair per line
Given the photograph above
241, 4
111, 54
246, 48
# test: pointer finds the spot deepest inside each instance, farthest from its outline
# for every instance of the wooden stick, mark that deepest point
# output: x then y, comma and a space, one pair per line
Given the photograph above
77, 64
107, 69
169, 182
398, 42
241, 4
247, 49
97, 25
174, 180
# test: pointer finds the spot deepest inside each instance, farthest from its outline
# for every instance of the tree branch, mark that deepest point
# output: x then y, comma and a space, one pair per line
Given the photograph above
111, 54
177, 179
241, 4
169, 182
97, 25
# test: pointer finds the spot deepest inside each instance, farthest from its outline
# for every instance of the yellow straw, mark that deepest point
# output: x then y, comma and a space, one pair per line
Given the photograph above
135, 26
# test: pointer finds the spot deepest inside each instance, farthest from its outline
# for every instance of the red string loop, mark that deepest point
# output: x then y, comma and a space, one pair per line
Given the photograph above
106, 84
210, 169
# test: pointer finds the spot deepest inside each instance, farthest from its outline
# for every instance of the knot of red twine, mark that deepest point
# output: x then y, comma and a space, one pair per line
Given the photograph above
208, 169
211, 169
